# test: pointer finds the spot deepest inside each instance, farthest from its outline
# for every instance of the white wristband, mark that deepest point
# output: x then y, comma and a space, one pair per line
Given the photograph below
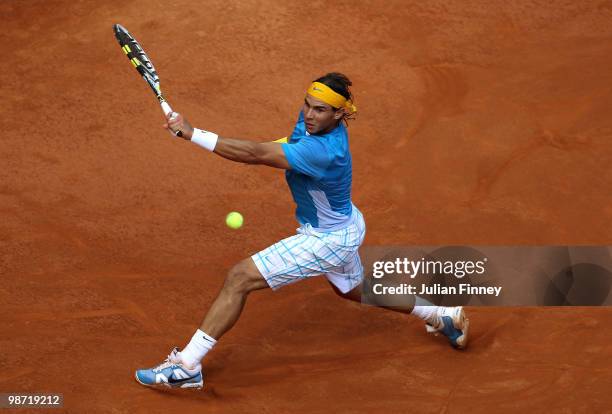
205, 139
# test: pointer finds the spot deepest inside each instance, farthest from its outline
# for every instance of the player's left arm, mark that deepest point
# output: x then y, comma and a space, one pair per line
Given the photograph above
251, 152
239, 150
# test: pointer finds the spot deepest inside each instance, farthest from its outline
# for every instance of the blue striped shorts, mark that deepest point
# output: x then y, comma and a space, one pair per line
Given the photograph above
311, 253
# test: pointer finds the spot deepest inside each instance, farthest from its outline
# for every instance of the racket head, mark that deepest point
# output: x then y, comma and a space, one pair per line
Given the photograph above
139, 59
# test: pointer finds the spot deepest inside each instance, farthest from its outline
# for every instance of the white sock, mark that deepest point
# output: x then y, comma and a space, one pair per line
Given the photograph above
427, 313
197, 348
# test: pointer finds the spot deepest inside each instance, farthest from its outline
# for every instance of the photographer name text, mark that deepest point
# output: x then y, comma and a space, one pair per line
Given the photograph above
435, 289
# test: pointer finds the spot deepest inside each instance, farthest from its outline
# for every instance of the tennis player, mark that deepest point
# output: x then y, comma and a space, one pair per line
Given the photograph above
318, 169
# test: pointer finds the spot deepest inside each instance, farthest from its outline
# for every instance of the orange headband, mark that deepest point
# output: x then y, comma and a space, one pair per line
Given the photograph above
329, 96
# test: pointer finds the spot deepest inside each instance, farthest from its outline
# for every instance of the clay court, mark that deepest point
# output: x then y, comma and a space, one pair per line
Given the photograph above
479, 123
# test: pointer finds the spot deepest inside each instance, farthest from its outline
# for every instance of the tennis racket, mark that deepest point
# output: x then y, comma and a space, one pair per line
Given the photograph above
136, 54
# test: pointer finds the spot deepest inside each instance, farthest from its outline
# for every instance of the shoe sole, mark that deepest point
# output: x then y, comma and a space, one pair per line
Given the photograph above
197, 385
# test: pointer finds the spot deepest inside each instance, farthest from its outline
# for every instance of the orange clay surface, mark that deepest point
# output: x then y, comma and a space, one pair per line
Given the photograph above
480, 122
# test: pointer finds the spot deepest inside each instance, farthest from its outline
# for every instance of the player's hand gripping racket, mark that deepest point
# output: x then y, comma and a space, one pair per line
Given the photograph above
143, 65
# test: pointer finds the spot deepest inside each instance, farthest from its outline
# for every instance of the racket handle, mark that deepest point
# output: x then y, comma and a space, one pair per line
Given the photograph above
166, 108
167, 111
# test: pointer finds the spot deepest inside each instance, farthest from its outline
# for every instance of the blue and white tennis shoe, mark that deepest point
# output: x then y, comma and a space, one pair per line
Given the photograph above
452, 322
171, 374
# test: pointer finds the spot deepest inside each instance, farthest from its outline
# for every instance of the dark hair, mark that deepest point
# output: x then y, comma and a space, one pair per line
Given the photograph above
338, 82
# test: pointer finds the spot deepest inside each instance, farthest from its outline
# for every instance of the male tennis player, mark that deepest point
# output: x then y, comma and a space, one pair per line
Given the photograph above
317, 161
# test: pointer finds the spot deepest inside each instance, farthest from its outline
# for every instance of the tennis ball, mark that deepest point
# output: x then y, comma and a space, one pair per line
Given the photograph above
234, 220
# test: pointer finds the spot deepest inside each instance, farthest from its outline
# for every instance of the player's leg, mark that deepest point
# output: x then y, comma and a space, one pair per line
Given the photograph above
225, 310
404, 304
183, 369
451, 321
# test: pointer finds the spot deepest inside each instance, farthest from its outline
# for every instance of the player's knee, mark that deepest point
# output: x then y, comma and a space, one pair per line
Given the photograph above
242, 278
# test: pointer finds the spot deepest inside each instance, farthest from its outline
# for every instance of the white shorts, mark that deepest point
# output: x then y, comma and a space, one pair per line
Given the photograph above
311, 253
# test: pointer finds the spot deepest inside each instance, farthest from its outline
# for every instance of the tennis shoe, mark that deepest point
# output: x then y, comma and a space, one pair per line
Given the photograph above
452, 323
172, 374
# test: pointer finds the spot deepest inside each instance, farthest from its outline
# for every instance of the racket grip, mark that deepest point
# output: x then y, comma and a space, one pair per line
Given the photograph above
167, 111
166, 108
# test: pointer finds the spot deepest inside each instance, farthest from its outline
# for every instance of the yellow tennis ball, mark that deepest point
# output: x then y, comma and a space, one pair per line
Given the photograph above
234, 220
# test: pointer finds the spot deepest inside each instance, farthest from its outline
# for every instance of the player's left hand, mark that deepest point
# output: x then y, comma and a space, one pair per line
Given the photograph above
175, 122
